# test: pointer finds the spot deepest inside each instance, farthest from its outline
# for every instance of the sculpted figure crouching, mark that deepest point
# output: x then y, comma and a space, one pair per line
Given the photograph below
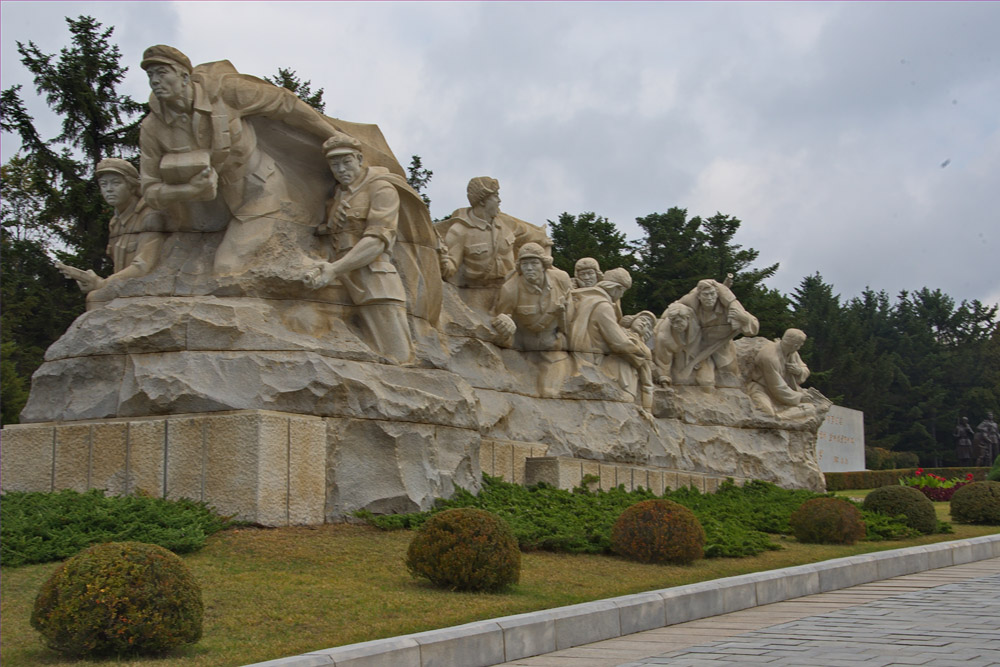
197, 142
361, 224
721, 318
136, 232
675, 344
778, 373
530, 315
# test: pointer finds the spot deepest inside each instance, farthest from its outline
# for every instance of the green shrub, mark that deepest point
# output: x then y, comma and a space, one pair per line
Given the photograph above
827, 521
119, 598
658, 531
994, 474
904, 501
41, 527
872, 479
465, 549
978, 502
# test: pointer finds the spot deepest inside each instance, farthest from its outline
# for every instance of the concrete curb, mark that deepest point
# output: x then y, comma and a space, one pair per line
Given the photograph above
513, 637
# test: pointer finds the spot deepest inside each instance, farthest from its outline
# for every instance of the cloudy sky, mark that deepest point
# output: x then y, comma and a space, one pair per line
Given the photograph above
860, 140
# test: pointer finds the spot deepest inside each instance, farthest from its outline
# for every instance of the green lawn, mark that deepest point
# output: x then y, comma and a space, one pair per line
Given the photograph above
276, 592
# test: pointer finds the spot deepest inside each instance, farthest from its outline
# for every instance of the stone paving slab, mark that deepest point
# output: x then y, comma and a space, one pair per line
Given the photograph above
572, 636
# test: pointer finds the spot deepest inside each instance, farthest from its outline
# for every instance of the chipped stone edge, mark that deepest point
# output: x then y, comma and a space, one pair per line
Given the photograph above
535, 633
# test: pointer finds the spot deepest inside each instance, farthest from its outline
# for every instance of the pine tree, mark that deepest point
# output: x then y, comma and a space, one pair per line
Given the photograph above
287, 78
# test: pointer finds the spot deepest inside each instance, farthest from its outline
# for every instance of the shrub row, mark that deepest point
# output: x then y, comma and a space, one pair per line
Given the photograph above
873, 479
41, 527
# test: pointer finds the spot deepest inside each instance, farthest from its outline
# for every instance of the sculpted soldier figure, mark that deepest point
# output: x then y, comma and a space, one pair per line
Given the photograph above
481, 241
675, 344
963, 442
361, 223
587, 273
639, 328
721, 318
135, 236
197, 142
988, 440
596, 337
530, 314
778, 372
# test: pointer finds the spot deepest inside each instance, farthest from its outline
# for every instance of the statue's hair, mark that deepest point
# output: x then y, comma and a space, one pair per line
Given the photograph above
796, 334
678, 308
480, 188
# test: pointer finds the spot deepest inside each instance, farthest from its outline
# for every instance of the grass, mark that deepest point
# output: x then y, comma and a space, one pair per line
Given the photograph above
271, 593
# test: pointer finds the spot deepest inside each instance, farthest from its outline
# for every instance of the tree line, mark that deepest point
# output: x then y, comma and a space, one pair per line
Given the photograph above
914, 363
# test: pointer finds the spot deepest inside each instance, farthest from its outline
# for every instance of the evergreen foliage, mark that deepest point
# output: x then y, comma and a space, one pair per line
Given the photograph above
418, 177
658, 531
590, 235
119, 598
827, 521
40, 527
905, 501
465, 549
978, 502
287, 78
738, 521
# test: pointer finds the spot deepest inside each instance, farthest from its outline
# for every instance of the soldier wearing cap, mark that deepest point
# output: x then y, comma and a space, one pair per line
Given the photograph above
597, 339
197, 142
136, 232
481, 241
361, 224
530, 314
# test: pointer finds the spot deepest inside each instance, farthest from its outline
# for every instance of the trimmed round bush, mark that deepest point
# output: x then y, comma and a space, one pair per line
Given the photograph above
119, 598
827, 521
994, 473
978, 502
466, 549
907, 501
658, 531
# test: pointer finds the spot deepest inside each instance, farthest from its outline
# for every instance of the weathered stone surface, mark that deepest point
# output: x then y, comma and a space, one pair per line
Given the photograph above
387, 467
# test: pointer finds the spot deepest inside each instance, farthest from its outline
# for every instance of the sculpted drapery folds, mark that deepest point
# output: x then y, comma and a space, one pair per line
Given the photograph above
721, 318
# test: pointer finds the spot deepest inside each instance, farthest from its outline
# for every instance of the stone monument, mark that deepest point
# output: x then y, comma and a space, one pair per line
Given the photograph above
288, 337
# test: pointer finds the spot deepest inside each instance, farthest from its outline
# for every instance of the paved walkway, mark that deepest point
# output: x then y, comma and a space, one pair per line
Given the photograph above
948, 616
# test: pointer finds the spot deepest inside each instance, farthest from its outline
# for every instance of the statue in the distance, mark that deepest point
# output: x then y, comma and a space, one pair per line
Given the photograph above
197, 143
721, 318
964, 434
135, 234
778, 373
530, 315
360, 231
987, 441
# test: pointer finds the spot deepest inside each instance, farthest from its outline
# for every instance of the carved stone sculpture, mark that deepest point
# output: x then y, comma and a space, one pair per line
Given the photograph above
778, 373
596, 337
530, 315
963, 442
675, 344
721, 318
987, 441
481, 242
198, 141
639, 328
360, 230
587, 273
136, 232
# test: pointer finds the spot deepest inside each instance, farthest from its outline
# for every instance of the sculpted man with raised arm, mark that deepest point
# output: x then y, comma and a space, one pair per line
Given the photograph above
361, 224
197, 143
135, 237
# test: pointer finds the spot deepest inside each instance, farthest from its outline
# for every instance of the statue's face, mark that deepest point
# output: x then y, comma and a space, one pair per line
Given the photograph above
792, 343
166, 82
679, 323
532, 270
346, 168
492, 206
586, 277
708, 297
643, 326
114, 189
